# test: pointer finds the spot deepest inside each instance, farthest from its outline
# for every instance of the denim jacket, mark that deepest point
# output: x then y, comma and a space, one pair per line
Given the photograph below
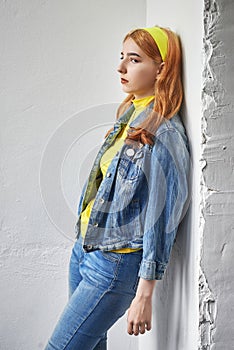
142, 199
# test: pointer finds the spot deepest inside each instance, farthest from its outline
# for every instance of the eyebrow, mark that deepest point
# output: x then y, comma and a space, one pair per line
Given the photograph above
132, 54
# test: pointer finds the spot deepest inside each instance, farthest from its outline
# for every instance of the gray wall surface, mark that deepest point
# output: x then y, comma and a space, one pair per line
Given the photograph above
58, 59
176, 302
59, 91
217, 273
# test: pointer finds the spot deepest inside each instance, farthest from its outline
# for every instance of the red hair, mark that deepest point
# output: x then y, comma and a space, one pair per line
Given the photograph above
168, 86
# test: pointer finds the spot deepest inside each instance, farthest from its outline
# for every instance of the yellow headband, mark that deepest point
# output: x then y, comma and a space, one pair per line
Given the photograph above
161, 39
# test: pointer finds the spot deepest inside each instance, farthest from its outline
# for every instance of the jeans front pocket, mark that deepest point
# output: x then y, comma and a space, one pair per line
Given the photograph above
110, 256
99, 268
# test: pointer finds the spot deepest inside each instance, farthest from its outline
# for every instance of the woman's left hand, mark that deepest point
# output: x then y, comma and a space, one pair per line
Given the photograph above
140, 311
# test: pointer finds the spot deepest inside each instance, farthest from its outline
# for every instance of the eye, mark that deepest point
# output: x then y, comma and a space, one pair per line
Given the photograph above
133, 60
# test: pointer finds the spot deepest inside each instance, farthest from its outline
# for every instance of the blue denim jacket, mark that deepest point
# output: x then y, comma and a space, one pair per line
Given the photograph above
142, 199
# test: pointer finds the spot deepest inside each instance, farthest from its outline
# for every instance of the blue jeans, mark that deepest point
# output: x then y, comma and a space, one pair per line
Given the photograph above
101, 288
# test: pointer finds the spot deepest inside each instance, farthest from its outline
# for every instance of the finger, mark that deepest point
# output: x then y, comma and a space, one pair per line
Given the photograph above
142, 328
148, 326
136, 328
130, 328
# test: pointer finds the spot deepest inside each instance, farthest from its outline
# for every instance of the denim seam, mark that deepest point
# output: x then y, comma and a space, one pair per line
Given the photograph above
167, 130
77, 328
103, 294
116, 272
110, 257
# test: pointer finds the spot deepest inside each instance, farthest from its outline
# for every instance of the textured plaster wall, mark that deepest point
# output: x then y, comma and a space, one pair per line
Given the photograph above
175, 316
48, 63
57, 58
217, 222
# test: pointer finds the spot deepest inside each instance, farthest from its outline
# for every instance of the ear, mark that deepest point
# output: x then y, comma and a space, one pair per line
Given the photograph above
160, 67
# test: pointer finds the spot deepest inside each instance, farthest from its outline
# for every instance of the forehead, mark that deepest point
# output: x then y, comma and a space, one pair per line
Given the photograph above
129, 45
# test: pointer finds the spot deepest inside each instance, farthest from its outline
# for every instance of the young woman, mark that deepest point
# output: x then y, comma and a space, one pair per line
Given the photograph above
133, 200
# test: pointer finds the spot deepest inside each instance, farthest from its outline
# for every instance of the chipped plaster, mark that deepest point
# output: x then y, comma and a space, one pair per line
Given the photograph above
216, 183
207, 311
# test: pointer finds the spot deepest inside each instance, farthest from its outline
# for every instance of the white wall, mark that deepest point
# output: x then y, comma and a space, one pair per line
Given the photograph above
176, 298
59, 89
57, 59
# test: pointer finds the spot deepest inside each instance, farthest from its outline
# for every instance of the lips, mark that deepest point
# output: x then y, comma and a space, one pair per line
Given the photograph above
124, 81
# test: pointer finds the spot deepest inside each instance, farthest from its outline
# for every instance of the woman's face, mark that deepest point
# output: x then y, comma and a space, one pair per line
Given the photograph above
138, 71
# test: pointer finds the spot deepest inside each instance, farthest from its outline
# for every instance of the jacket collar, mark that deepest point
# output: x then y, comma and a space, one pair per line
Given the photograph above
124, 118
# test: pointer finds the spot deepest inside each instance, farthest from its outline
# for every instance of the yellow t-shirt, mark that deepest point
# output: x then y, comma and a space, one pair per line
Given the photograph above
106, 159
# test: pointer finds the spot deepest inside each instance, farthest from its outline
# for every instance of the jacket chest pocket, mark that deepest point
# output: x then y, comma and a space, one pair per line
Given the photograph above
130, 164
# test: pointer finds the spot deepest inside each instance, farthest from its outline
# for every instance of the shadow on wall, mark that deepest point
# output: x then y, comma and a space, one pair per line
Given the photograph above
172, 295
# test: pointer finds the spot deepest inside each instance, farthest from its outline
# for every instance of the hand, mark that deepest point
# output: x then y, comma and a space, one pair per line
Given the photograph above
139, 316
140, 311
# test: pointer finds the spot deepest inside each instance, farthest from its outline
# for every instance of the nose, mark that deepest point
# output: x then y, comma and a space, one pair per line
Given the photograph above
122, 68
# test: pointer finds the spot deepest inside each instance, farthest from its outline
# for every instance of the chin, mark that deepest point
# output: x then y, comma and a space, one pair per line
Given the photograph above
128, 91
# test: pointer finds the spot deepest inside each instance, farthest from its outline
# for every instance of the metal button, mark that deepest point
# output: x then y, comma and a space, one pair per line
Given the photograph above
130, 152
108, 175
102, 200
87, 247
95, 224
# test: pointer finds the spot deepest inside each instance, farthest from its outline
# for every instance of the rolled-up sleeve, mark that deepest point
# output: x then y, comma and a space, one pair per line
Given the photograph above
167, 202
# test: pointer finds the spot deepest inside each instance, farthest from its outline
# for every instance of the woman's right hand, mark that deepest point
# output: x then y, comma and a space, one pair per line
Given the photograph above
140, 311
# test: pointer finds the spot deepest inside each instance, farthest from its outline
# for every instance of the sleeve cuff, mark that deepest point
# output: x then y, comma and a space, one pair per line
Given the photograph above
151, 270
